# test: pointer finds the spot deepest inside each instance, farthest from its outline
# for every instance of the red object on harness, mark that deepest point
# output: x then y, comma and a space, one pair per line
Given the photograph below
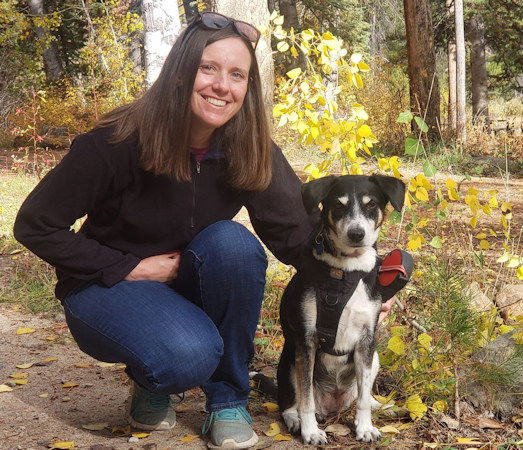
394, 272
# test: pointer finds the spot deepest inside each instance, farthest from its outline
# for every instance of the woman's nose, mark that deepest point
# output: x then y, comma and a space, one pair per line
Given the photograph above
221, 82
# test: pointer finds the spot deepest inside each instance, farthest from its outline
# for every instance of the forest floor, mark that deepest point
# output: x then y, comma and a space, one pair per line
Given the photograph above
60, 395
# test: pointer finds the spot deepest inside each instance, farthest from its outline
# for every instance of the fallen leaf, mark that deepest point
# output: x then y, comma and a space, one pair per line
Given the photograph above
21, 381
338, 429
141, 435
272, 430
47, 360
270, 407
121, 430
24, 366
51, 338
19, 375
468, 441
430, 444
5, 388
61, 444
389, 429
69, 384
283, 437
189, 438
485, 422
106, 364
25, 330
453, 424
44, 395
96, 426
121, 366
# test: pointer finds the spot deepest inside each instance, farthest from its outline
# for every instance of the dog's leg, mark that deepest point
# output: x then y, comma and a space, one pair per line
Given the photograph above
366, 364
310, 432
287, 388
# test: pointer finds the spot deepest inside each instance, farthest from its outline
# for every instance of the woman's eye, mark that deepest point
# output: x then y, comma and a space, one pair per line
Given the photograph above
206, 68
238, 75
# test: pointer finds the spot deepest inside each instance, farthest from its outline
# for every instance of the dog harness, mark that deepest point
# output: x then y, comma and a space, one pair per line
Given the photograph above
334, 288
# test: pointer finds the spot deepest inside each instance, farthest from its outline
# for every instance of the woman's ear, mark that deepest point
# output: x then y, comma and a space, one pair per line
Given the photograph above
315, 191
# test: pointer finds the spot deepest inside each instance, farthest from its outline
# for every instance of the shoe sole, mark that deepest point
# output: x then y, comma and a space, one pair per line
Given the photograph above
231, 444
157, 427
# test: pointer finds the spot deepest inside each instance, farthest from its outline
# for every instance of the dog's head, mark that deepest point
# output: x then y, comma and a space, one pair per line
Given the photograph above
353, 206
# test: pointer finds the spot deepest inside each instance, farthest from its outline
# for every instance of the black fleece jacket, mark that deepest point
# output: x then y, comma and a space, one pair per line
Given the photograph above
133, 214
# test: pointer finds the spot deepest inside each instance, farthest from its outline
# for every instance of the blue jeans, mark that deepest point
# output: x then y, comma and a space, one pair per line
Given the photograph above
196, 331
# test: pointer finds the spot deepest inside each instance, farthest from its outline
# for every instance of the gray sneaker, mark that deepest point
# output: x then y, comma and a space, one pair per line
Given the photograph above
150, 411
230, 428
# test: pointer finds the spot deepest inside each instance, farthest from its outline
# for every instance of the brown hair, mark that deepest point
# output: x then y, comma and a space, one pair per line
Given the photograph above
162, 118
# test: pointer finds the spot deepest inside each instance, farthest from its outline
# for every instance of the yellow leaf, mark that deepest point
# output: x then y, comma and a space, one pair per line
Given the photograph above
24, 366
513, 262
424, 340
363, 67
453, 195
5, 388
69, 385
283, 437
44, 395
21, 382
25, 330
381, 399
364, 131
389, 429
270, 407
278, 20
46, 360
141, 435
397, 345
415, 364
273, 430
62, 445
519, 273
189, 438
474, 221
106, 364
481, 236
294, 73
121, 430
451, 184
484, 245
440, 405
416, 407
19, 375
338, 429
282, 46
422, 194
359, 81
467, 441
294, 52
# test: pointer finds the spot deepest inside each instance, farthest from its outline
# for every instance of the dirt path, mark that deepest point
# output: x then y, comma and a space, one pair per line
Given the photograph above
35, 414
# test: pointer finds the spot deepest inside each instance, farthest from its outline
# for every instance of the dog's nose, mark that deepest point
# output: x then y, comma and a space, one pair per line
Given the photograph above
356, 234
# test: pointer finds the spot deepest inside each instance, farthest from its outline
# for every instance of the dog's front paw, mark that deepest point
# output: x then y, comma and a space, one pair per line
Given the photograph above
367, 433
292, 421
314, 436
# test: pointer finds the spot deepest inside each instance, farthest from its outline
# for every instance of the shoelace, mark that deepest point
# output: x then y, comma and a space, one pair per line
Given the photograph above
228, 414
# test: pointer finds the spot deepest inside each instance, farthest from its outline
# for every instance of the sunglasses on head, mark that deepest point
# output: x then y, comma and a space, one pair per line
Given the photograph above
217, 21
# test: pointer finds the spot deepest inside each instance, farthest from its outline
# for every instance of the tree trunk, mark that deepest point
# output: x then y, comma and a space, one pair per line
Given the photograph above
451, 54
161, 27
191, 10
478, 70
461, 114
271, 4
52, 62
256, 13
424, 87
289, 11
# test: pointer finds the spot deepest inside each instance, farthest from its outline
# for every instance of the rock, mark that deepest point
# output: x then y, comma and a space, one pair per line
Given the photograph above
478, 300
510, 300
501, 356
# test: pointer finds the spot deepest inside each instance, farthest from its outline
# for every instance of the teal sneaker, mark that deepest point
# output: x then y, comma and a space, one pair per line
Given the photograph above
150, 411
230, 428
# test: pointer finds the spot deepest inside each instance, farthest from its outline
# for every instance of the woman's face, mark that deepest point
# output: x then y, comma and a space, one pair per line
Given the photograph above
219, 87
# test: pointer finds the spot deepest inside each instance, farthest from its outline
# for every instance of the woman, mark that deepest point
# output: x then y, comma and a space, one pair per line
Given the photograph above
159, 277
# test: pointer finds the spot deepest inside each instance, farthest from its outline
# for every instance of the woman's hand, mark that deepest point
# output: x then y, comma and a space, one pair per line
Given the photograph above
156, 268
385, 309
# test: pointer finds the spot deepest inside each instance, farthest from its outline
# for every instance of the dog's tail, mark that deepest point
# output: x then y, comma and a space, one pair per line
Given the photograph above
266, 385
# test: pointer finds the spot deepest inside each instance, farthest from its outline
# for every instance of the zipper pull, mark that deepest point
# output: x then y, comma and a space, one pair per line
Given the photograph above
197, 167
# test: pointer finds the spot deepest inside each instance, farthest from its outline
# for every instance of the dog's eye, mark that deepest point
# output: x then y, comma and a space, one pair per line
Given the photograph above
371, 204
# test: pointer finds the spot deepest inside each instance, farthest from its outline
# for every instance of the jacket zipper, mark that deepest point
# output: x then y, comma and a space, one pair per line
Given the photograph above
198, 167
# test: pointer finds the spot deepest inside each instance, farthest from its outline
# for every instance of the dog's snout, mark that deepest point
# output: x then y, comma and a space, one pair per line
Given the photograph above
356, 234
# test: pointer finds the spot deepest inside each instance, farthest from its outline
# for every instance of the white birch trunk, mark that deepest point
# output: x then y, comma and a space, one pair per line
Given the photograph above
161, 28
461, 114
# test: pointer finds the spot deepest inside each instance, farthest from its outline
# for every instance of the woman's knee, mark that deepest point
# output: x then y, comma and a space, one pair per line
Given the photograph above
231, 243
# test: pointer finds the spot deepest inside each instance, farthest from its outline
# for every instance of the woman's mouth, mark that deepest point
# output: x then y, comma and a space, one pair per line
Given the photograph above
215, 101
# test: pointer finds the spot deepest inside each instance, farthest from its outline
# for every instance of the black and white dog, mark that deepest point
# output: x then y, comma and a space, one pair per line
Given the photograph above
330, 308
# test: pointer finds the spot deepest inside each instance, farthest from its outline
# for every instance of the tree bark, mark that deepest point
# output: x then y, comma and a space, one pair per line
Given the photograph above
461, 113
478, 70
451, 54
191, 10
161, 28
256, 13
289, 11
424, 87
52, 63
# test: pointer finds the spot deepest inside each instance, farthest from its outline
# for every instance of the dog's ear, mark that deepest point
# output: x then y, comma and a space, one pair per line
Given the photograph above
393, 188
315, 191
